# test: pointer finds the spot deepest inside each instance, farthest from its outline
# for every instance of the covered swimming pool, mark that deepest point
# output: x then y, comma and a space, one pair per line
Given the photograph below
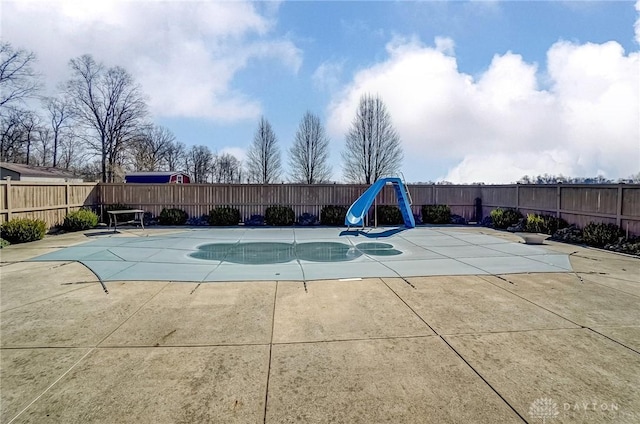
304, 254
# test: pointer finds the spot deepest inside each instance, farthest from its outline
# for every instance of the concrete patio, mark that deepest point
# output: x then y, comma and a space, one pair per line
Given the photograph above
554, 347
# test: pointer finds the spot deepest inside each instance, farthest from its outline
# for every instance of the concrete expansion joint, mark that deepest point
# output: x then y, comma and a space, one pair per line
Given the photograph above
273, 324
476, 372
355, 339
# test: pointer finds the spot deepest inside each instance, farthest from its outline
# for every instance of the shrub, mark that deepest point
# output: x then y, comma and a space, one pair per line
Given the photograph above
307, 219
458, 220
600, 234
80, 220
389, 215
198, 221
436, 214
570, 234
224, 216
3, 243
333, 215
23, 230
172, 216
546, 224
504, 218
254, 221
279, 216
629, 245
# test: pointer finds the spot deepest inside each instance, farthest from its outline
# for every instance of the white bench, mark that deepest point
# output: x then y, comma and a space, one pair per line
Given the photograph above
138, 217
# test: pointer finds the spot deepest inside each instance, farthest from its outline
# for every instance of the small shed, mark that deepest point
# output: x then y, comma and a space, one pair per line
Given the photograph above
158, 177
22, 172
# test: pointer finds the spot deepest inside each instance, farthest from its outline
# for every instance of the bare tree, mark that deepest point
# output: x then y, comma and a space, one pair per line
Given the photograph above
59, 114
73, 155
11, 136
150, 148
175, 156
227, 169
309, 154
42, 152
263, 158
109, 105
372, 145
30, 132
199, 163
18, 80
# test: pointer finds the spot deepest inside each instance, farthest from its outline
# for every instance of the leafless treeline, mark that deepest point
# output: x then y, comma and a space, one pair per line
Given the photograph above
98, 125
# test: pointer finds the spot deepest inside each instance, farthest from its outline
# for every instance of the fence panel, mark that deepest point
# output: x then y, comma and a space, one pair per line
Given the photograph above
578, 204
50, 202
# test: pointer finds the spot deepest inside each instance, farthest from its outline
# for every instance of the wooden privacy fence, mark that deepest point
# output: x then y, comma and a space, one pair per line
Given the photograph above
578, 204
50, 202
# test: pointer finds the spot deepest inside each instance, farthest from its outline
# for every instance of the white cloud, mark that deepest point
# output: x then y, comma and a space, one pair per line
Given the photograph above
502, 125
327, 75
238, 152
185, 54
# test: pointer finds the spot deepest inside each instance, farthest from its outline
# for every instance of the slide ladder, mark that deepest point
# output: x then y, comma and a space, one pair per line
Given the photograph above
359, 208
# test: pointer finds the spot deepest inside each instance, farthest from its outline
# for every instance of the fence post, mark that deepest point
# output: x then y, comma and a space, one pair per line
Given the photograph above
8, 198
66, 196
619, 206
558, 198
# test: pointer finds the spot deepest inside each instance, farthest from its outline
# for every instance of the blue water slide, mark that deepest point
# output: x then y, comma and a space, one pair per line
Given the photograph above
359, 208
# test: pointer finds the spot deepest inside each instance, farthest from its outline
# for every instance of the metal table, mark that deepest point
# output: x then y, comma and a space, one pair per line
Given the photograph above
138, 216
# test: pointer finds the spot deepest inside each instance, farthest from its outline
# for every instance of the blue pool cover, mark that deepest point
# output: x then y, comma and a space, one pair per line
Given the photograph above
304, 254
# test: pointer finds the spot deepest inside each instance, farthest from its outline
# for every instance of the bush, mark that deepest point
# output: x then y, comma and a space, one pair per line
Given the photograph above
279, 216
459, 220
23, 230
198, 221
389, 215
307, 219
3, 243
629, 245
504, 218
172, 216
224, 216
80, 220
545, 224
600, 234
436, 214
254, 221
333, 215
570, 234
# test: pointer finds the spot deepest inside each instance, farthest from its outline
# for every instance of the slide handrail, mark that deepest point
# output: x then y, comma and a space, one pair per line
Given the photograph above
359, 208
406, 189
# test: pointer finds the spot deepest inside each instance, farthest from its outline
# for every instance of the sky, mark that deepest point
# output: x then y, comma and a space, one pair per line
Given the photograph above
480, 91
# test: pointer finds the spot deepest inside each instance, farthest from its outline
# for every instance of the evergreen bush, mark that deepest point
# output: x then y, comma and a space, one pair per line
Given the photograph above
504, 218
224, 216
436, 214
80, 220
600, 234
545, 224
389, 215
172, 216
333, 215
279, 216
23, 230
